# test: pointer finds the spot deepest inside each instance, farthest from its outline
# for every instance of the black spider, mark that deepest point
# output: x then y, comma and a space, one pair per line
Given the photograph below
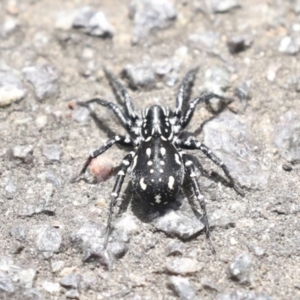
158, 164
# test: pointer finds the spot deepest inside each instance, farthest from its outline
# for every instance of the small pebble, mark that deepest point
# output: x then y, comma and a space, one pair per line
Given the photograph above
272, 72
140, 75
289, 45
92, 22
243, 92
179, 225
72, 294
10, 189
24, 153
70, 281
222, 6
240, 268
51, 287
41, 122
175, 248
182, 266
52, 152
56, 266
9, 26
81, 114
44, 79
150, 14
11, 89
182, 288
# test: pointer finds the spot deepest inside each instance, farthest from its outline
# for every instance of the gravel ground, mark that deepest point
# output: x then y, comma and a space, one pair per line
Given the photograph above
52, 55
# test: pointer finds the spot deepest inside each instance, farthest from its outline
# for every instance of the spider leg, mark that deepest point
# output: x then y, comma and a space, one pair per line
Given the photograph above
115, 193
124, 120
190, 168
116, 84
184, 91
188, 114
121, 140
193, 144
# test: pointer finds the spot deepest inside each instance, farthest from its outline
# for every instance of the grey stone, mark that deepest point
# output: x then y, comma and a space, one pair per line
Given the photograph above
23, 153
182, 288
53, 178
31, 294
208, 41
70, 281
243, 92
240, 268
182, 266
9, 26
52, 152
44, 205
141, 75
289, 45
81, 114
210, 285
286, 137
293, 83
92, 22
243, 295
11, 88
178, 224
222, 6
296, 7
89, 238
257, 250
6, 283
19, 232
46, 238
272, 71
150, 14
229, 137
216, 80
44, 79
51, 287
26, 277
216, 6
72, 294
88, 282
220, 218
10, 188
175, 248
13, 278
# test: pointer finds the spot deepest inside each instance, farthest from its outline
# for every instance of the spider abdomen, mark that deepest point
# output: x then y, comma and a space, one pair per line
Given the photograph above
157, 171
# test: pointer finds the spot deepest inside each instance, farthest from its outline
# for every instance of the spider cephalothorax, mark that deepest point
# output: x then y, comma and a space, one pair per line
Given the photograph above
158, 164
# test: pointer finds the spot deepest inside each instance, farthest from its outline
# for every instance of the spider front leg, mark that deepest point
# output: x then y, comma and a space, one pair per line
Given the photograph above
190, 170
126, 162
184, 91
192, 144
116, 85
124, 120
188, 114
121, 140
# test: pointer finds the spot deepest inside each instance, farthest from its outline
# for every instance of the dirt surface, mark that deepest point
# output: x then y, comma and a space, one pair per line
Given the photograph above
247, 52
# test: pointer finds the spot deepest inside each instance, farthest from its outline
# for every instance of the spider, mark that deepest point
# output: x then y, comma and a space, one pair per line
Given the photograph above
158, 164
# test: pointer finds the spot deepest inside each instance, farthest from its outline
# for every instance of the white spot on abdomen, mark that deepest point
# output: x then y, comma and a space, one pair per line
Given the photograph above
143, 185
163, 151
148, 151
171, 182
177, 159
134, 162
157, 198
